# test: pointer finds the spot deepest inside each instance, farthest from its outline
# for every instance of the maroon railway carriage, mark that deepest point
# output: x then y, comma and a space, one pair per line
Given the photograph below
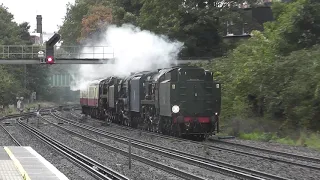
89, 98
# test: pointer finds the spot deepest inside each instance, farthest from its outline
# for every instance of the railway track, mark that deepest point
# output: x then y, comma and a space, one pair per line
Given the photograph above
27, 114
94, 168
10, 135
11, 116
212, 165
307, 162
277, 153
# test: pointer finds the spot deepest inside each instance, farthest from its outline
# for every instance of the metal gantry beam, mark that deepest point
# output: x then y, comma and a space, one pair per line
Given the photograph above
82, 61
29, 54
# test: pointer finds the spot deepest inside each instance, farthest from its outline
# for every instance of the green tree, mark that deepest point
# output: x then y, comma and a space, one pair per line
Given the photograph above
269, 74
196, 26
18, 76
8, 87
297, 25
9, 30
24, 33
71, 28
126, 11
95, 20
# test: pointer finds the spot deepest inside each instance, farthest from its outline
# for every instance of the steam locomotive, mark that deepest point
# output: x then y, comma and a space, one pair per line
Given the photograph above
181, 101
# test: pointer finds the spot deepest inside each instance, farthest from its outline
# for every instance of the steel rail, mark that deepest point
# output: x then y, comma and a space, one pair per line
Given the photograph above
212, 165
17, 115
10, 135
27, 114
285, 154
94, 168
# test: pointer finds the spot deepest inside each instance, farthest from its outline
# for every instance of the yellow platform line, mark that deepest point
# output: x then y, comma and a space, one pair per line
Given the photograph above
24, 174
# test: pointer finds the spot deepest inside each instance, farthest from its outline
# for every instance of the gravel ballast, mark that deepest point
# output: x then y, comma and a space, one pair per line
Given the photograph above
155, 157
60, 162
260, 164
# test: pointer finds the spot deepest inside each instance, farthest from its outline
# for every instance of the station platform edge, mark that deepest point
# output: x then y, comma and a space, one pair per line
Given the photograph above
24, 163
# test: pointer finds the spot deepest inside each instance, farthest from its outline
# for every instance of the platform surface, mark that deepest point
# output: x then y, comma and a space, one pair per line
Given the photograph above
18, 163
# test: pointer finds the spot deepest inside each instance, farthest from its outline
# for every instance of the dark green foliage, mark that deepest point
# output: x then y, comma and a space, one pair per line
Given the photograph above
297, 25
71, 28
9, 29
275, 74
24, 33
198, 27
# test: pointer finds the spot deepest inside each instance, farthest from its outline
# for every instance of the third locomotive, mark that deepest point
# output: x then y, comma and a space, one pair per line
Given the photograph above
181, 101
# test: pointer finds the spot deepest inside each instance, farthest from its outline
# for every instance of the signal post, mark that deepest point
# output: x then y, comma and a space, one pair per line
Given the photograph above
49, 58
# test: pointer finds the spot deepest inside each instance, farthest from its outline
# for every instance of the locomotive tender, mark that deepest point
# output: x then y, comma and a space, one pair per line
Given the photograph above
179, 101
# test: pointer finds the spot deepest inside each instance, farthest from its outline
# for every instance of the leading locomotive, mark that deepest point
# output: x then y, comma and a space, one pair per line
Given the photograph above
180, 101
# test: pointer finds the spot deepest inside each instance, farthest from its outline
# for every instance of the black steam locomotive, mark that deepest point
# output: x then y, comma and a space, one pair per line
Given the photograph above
178, 101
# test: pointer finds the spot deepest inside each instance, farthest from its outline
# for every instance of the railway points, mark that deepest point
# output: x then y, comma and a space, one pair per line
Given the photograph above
24, 163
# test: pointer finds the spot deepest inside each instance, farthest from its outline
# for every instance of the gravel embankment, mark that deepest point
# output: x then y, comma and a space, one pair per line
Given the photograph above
62, 164
264, 165
158, 158
5, 139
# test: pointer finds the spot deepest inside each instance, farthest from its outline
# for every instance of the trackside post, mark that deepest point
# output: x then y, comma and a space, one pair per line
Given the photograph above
38, 118
129, 153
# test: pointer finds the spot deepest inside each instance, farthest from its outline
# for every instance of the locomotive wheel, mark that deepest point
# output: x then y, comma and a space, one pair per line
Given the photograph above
166, 126
160, 125
135, 122
149, 126
201, 137
91, 113
175, 129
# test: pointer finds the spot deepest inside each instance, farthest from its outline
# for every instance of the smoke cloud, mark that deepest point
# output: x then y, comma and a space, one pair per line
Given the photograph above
133, 50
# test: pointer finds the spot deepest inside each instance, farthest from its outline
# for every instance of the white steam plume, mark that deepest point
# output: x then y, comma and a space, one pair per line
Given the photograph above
133, 49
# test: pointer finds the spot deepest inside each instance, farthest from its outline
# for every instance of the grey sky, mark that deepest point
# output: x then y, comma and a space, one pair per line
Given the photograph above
52, 11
